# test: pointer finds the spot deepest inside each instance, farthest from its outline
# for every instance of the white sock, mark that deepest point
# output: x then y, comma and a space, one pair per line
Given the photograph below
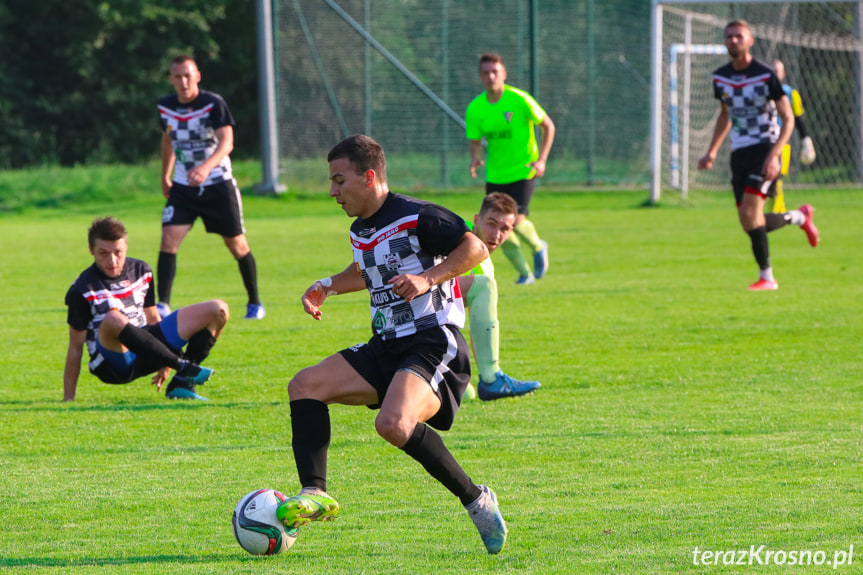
766, 275
797, 217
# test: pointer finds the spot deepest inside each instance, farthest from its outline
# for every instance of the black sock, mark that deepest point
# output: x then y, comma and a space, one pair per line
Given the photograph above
249, 271
760, 247
146, 346
310, 424
166, 269
426, 446
776, 221
199, 346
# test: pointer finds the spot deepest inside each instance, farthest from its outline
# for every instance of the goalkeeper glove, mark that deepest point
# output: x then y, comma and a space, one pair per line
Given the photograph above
807, 151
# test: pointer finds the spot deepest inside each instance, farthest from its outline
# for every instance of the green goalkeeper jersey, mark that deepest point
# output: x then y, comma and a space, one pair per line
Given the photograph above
508, 127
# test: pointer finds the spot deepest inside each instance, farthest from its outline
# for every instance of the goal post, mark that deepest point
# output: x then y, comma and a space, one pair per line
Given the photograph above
820, 44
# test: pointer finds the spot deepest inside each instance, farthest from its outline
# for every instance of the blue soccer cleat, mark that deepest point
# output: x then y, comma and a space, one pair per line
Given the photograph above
525, 280
180, 388
505, 386
255, 311
194, 373
540, 261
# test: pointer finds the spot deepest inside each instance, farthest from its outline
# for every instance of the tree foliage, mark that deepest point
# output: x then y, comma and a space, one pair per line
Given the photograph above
79, 79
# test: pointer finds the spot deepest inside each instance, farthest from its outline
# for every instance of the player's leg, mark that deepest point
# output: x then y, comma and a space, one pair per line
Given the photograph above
513, 252
117, 334
223, 215
751, 215
195, 327
522, 192
485, 334
166, 267
418, 394
333, 380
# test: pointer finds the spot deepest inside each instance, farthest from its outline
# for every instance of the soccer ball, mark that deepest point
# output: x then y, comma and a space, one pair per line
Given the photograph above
256, 526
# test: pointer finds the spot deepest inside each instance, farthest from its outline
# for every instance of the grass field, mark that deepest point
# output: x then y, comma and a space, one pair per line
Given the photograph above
678, 411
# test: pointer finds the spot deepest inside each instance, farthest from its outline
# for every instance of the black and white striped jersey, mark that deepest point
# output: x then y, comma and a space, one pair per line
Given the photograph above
750, 95
408, 236
93, 295
192, 129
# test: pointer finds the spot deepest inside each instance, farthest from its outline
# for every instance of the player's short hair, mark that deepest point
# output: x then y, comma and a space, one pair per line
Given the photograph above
492, 57
498, 202
181, 59
363, 152
109, 229
739, 22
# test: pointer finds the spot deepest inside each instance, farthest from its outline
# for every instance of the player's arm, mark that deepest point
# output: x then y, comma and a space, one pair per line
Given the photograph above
152, 315
168, 160
723, 126
469, 252
546, 129
773, 163
475, 148
807, 147
225, 136
346, 281
72, 370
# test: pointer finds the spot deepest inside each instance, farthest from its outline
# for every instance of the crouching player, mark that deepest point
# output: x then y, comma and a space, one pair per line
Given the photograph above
112, 309
493, 224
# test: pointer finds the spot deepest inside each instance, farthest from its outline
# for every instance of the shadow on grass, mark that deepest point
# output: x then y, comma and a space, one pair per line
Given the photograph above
31, 562
61, 407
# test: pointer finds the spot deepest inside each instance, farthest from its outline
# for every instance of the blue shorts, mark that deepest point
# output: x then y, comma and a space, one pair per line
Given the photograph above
123, 367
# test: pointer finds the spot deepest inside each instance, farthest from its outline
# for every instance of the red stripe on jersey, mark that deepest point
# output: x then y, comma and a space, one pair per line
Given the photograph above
196, 114
383, 235
747, 82
97, 295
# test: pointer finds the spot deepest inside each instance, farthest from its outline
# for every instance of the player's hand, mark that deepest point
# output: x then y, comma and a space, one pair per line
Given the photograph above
166, 188
539, 166
408, 286
772, 167
313, 299
474, 165
161, 377
197, 175
706, 162
807, 151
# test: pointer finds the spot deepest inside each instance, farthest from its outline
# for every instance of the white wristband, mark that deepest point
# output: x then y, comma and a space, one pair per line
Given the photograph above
327, 284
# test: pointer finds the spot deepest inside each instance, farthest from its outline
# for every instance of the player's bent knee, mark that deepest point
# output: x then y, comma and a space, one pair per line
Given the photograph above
303, 384
221, 311
396, 430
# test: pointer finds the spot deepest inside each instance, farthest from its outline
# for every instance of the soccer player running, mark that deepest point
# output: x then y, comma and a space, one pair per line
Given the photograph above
506, 117
415, 368
750, 97
807, 148
197, 138
112, 310
493, 224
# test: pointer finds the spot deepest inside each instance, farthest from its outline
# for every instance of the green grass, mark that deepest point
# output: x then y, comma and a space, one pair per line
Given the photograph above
677, 410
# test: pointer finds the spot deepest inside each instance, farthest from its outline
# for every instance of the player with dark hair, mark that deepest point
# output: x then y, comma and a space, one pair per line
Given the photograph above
415, 368
807, 148
506, 117
751, 97
197, 138
112, 310
493, 224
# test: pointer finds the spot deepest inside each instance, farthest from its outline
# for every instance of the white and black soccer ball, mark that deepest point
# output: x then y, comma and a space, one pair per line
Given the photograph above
256, 526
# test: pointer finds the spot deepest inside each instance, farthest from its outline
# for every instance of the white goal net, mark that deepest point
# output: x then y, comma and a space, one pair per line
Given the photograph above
820, 46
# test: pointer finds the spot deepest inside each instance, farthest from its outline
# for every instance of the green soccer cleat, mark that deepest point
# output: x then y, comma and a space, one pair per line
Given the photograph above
306, 507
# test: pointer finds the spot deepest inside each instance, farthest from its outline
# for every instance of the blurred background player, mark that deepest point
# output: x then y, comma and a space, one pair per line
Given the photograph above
506, 117
197, 138
493, 224
112, 310
807, 148
751, 102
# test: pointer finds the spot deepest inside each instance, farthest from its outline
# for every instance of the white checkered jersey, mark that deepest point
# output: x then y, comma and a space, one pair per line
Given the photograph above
93, 295
192, 129
750, 96
408, 236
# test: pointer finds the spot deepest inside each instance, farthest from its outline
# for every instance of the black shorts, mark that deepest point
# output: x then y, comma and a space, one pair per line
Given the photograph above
438, 355
102, 368
521, 191
219, 205
746, 166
